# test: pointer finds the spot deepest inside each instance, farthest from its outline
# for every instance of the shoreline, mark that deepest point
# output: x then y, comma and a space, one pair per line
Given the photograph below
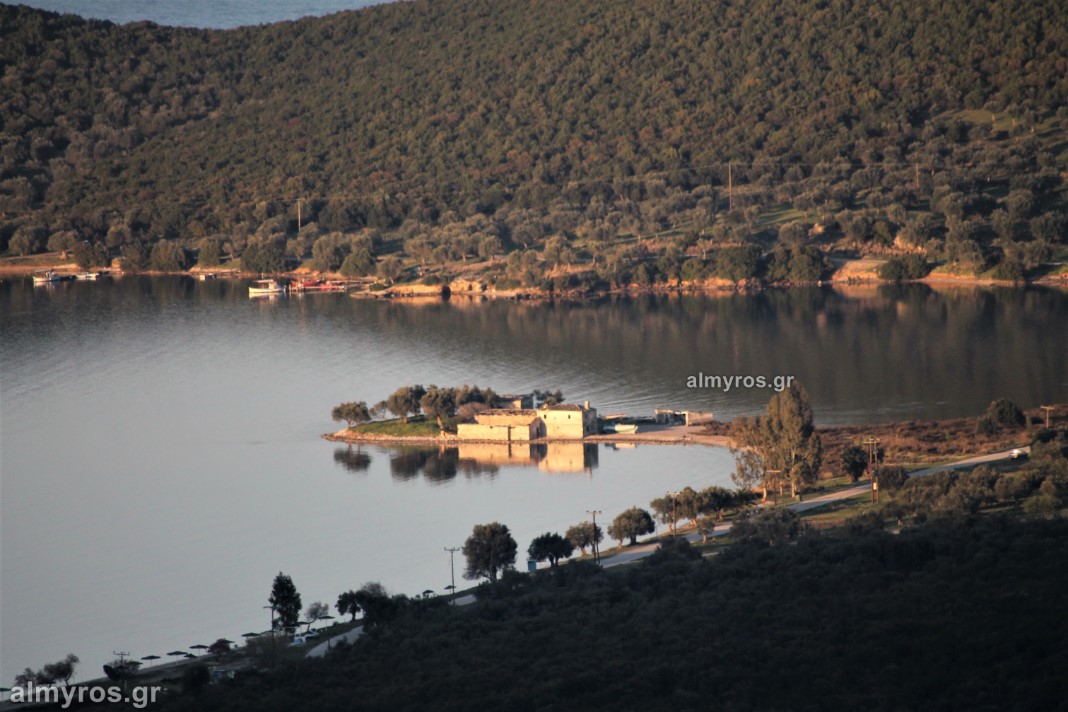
911, 442
846, 275
656, 435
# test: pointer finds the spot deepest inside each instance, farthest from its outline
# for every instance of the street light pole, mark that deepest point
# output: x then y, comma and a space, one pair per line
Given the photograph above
596, 554
452, 568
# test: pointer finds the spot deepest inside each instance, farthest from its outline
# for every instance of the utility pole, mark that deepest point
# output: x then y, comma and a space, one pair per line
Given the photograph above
452, 568
299, 201
596, 554
1046, 408
873, 472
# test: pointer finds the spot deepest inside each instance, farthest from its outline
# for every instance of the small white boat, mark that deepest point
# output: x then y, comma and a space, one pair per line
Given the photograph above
621, 428
205, 276
264, 287
90, 276
46, 276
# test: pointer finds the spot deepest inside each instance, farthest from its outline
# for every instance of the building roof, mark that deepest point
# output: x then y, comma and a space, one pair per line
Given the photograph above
565, 406
506, 416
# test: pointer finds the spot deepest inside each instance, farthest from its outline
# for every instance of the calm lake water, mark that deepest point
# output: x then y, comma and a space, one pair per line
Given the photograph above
218, 14
161, 459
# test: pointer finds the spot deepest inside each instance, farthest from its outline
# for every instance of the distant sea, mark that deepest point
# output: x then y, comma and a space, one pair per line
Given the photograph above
219, 14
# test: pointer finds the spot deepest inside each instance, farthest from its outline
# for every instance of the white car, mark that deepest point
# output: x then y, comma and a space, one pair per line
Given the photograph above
1017, 453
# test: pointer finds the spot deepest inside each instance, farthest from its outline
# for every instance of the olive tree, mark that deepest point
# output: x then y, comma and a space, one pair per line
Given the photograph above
489, 550
630, 524
551, 547
351, 413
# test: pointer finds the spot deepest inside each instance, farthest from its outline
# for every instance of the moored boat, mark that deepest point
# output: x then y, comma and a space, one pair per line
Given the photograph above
46, 276
621, 428
87, 276
316, 285
264, 287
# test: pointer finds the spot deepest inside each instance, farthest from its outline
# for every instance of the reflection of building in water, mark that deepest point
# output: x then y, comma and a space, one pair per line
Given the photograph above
501, 453
569, 457
548, 457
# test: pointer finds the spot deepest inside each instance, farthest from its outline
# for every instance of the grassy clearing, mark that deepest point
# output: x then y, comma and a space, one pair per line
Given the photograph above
415, 427
779, 216
836, 513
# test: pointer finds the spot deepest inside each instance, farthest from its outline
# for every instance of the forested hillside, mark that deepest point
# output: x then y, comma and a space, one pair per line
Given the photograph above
450, 130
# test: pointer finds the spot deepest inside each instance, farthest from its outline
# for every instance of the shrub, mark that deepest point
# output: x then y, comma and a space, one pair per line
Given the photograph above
1008, 270
986, 426
1004, 412
905, 267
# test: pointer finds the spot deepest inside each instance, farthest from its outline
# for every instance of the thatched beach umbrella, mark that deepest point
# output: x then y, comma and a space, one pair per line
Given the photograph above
198, 646
150, 658
176, 653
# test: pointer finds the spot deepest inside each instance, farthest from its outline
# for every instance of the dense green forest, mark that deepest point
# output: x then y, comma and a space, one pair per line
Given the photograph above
416, 136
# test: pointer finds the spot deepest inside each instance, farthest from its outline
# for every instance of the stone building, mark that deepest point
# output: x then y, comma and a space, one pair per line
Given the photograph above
554, 422
569, 421
503, 425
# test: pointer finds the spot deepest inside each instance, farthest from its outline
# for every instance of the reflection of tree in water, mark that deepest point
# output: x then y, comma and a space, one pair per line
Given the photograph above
352, 460
436, 465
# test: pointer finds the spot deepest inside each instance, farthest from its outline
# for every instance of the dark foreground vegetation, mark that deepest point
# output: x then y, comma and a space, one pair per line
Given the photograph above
581, 144
942, 616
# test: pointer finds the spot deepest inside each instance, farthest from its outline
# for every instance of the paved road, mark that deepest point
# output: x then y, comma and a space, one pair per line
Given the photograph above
641, 551
977, 460
321, 649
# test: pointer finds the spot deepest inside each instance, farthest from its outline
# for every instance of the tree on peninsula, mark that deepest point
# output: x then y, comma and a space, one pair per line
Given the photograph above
439, 404
285, 603
351, 413
405, 401
489, 550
